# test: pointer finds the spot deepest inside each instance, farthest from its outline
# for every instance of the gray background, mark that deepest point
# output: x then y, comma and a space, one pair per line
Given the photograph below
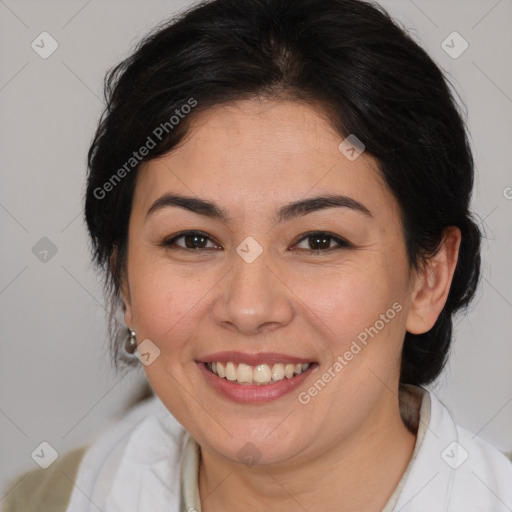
56, 383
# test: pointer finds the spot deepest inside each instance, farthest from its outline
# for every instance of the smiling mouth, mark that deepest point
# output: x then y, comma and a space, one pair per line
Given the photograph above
260, 374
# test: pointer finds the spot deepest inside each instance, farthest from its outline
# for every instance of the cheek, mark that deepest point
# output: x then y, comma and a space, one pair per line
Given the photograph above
167, 304
349, 299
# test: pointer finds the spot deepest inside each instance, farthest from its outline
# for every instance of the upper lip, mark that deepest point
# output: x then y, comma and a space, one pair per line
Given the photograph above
252, 359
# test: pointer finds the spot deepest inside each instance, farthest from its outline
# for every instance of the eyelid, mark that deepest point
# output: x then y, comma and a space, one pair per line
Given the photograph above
342, 242
171, 241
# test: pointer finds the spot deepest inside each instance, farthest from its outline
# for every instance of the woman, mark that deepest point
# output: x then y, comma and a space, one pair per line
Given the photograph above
278, 195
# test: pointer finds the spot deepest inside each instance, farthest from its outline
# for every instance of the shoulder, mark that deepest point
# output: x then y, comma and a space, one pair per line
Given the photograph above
452, 469
484, 475
481, 476
44, 490
51, 489
131, 460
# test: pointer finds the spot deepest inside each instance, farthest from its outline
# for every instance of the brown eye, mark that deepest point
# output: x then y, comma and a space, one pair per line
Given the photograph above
321, 242
190, 240
195, 241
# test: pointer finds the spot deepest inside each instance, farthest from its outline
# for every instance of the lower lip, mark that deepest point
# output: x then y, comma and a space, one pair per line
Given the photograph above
251, 393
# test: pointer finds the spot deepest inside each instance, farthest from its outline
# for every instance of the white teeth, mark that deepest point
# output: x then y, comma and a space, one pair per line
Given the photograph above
230, 371
278, 372
244, 373
260, 374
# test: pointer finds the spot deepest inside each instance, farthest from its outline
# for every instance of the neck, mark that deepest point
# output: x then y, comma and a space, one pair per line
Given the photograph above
356, 474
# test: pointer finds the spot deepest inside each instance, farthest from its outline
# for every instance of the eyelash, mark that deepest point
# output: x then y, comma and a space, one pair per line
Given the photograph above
170, 243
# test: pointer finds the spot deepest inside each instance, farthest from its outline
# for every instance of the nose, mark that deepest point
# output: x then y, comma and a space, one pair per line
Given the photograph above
253, 299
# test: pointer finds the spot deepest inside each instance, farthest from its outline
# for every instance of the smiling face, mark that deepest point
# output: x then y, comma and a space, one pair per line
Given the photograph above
312, 276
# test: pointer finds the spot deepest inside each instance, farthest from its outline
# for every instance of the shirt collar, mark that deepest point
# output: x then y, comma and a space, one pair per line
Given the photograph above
190, 500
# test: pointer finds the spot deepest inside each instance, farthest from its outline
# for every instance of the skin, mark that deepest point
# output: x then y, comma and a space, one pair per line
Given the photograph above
348, 447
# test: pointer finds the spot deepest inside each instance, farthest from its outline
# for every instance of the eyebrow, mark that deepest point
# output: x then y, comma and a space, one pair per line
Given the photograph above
287, 212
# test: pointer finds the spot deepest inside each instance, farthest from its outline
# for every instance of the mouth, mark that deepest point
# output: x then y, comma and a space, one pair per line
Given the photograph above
259, 375
254, 378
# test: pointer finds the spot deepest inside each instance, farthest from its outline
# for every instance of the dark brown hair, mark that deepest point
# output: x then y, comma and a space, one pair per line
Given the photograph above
348, 58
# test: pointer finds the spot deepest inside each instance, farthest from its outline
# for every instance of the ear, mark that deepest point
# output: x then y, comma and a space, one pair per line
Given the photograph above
432, 284
123, 288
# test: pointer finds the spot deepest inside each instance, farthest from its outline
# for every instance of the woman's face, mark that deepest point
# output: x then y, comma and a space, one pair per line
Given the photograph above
277, 276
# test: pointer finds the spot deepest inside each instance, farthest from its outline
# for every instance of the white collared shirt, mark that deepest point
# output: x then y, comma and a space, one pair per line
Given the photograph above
147, 461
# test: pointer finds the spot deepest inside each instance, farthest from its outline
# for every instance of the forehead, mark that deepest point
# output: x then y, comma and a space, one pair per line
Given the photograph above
260, 152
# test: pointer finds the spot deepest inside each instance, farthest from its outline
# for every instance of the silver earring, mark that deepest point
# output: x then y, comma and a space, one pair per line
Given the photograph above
131, 342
